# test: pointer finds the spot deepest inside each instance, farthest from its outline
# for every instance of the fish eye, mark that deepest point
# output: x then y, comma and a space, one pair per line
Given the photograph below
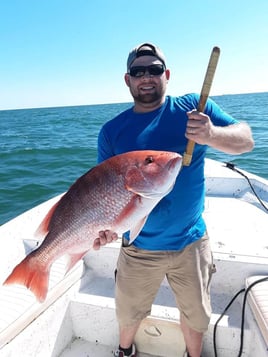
149, 160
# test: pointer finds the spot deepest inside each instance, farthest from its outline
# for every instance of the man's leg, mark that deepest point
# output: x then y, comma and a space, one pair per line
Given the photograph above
127, 335
193, 339
189, 276
139, 275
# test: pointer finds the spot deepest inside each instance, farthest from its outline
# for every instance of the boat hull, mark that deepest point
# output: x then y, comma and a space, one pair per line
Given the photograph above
78, 316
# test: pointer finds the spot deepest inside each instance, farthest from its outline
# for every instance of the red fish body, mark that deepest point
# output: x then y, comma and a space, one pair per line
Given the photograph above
117, 195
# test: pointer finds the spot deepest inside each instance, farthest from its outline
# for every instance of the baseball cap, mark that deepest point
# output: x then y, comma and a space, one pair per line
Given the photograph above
145, 49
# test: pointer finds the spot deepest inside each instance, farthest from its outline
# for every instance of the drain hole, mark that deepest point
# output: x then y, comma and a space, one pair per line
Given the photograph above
153, 331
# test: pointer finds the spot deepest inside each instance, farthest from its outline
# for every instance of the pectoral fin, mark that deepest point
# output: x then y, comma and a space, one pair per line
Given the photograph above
134, 232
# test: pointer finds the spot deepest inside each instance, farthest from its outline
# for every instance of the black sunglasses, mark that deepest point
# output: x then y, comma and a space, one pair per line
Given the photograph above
153, 70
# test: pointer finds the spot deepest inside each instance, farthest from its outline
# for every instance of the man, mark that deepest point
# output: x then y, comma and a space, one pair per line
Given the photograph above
173, 242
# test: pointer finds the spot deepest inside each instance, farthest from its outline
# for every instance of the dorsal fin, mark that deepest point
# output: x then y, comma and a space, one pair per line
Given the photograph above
43, 228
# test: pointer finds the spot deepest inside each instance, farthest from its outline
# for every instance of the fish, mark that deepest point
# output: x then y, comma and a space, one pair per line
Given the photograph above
117, 195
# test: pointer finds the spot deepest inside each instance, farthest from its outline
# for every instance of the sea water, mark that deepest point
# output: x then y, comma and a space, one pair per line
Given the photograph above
42, 151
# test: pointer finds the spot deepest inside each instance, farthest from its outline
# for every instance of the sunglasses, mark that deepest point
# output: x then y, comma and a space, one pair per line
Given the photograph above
153, 70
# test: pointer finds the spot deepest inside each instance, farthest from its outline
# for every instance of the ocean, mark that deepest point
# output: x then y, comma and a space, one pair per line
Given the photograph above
42, 151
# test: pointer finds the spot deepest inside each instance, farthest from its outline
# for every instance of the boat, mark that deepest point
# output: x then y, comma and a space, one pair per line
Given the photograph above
78, 316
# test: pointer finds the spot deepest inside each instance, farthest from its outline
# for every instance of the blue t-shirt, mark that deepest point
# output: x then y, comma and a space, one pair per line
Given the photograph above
177, 219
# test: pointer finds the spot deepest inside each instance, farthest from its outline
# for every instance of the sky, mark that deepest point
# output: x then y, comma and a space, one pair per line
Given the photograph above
73, 52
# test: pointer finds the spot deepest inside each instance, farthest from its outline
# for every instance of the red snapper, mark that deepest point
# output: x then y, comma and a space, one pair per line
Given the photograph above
117, 195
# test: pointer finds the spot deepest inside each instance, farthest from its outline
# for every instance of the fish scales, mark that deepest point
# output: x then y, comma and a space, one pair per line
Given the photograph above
117, 195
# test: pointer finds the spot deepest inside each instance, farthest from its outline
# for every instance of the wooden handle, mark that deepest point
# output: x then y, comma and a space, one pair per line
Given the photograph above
213, 61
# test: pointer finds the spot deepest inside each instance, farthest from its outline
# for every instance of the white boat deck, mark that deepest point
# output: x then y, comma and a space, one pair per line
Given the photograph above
82, 321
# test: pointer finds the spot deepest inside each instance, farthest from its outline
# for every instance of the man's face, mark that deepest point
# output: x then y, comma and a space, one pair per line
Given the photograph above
147, 88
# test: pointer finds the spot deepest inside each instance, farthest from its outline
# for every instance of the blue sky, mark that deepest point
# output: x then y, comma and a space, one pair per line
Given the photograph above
73, 52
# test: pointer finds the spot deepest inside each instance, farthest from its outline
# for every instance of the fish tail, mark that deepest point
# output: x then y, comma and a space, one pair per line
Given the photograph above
34, 277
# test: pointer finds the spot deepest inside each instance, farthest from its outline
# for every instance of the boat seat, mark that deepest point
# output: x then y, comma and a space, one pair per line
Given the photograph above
258, 301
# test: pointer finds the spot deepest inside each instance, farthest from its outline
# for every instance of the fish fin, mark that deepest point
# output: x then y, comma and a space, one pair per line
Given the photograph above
73, 259
34, 277
128, 209
44, 225
134, 232
126, 212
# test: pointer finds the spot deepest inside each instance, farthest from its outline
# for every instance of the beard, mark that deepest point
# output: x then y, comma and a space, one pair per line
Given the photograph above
147, 98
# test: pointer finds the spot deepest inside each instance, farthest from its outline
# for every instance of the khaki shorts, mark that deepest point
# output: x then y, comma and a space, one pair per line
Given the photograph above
140, 273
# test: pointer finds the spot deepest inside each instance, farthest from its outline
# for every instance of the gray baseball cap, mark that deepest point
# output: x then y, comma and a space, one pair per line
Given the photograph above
145, 49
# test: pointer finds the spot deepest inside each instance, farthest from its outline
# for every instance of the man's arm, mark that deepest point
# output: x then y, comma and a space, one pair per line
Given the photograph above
232, 139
